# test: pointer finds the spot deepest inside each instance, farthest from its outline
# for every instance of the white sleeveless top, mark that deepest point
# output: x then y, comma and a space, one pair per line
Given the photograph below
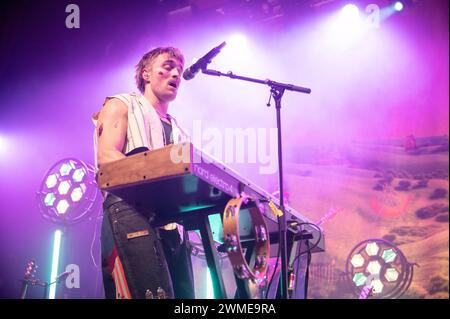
144, 125
144, 128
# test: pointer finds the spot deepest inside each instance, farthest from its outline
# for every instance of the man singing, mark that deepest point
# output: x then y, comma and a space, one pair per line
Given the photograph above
138, 259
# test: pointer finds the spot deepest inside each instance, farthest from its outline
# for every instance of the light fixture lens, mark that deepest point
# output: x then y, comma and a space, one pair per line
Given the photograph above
65, 168
374, 268
377, 286
357, 260
51, 181
359, 279
62, 207
372, 249
78, 175
49, 199
389, 255
391, 274
63, 188
77, 193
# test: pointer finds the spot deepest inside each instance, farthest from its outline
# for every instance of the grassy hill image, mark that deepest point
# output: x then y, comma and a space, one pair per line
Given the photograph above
384, 191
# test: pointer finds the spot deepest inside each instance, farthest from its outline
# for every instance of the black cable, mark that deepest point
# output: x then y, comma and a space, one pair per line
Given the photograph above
309, 249
293, 263
274, 270
308, 262
300, 254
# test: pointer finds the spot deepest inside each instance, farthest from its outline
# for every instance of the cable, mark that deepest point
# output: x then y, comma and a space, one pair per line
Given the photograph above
293, 264
273, 274
300, 254
308, 262
97, 218
309, 249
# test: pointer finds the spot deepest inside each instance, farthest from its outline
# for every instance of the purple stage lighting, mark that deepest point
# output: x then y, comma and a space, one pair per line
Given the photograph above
68, 192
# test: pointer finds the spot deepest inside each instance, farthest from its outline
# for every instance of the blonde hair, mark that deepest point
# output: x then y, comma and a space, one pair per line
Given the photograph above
149, 57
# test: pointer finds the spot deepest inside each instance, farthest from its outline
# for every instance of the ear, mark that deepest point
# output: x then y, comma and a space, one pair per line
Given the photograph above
146, 75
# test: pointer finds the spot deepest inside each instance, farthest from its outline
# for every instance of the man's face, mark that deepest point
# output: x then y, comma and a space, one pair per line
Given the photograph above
164, 74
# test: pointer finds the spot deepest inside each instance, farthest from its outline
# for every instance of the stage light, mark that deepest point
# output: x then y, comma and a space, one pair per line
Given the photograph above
65, 168
357, 261
78, 175
350, 12
62, 206
49, 199
51, 180
374, 268
63, 187
236, 52
57, 237
77, 193
380, 265
377, 286
398, 6
391, 274
372, 249
237, 42
359, 279
346, 27
68, 192
389, 255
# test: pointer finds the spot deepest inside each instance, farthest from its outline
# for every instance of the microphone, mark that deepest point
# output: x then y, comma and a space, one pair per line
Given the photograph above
201, 64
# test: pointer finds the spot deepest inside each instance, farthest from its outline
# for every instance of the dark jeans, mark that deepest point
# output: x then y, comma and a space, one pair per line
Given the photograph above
152, 258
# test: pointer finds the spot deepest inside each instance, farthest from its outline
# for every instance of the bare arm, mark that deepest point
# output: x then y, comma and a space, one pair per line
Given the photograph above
112, 131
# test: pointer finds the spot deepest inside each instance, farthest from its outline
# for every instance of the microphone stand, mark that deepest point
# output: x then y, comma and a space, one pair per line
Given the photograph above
276, 91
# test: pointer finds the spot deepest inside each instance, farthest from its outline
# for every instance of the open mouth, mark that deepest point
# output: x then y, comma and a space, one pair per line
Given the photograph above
173, 84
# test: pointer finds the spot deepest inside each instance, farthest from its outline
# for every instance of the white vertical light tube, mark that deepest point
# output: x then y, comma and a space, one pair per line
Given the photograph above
55, 262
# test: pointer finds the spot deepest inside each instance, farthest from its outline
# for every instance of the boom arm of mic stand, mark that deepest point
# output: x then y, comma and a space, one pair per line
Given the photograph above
289, 87
272, 84
212, 72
